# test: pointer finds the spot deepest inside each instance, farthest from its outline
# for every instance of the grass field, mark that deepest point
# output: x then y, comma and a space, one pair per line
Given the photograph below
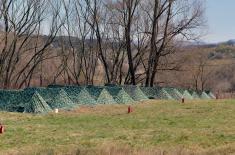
155, 127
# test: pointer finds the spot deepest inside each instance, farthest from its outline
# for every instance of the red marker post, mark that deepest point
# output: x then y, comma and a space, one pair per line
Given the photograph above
129, 109
182, 100
1, 129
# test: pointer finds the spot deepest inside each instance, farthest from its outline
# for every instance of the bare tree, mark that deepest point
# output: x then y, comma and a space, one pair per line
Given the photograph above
170, 20
21, 40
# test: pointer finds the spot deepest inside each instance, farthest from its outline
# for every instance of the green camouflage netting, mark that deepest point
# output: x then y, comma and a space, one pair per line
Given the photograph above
119, 94
55, 97
105, 98
174, 93
36, 104
150, 92
60, 99
162, 94
211, 95
178, 93
9, 99
55, 86
157, 92
42, 100
84, 97
79, 95
190, 91
187, 95
181, 90
204, 96
123, 97
113, 90
73, 92
94, 91
135, 92
195, 95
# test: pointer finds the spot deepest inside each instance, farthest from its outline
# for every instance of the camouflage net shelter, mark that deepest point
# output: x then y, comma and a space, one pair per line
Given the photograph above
55, 86
113, 90
150, 92
73, 92
43, 100
174, 93
9, 99
210, 94
79, 95
205, 96
55, 97
94, 91
135, 92
163, 94
84, 98
36, 104
105, 98
123, 97
195, 95
187, 95
119, 95
60, 99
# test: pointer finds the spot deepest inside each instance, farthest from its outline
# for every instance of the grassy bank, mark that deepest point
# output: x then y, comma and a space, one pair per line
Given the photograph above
203, 127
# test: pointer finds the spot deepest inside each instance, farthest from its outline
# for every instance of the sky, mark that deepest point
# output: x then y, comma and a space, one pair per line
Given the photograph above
220, 16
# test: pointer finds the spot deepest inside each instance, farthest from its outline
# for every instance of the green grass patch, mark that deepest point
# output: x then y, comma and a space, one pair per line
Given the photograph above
201, 125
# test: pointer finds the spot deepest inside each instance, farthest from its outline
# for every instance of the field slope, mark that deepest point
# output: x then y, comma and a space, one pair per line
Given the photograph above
155, 127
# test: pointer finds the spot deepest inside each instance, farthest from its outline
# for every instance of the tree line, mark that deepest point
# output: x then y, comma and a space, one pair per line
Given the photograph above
131, 39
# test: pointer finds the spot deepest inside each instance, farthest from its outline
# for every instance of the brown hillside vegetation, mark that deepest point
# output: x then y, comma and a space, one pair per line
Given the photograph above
99, 42
189, 67
93, 42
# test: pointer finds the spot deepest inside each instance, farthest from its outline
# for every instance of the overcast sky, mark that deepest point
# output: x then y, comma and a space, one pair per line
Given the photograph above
220, 15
